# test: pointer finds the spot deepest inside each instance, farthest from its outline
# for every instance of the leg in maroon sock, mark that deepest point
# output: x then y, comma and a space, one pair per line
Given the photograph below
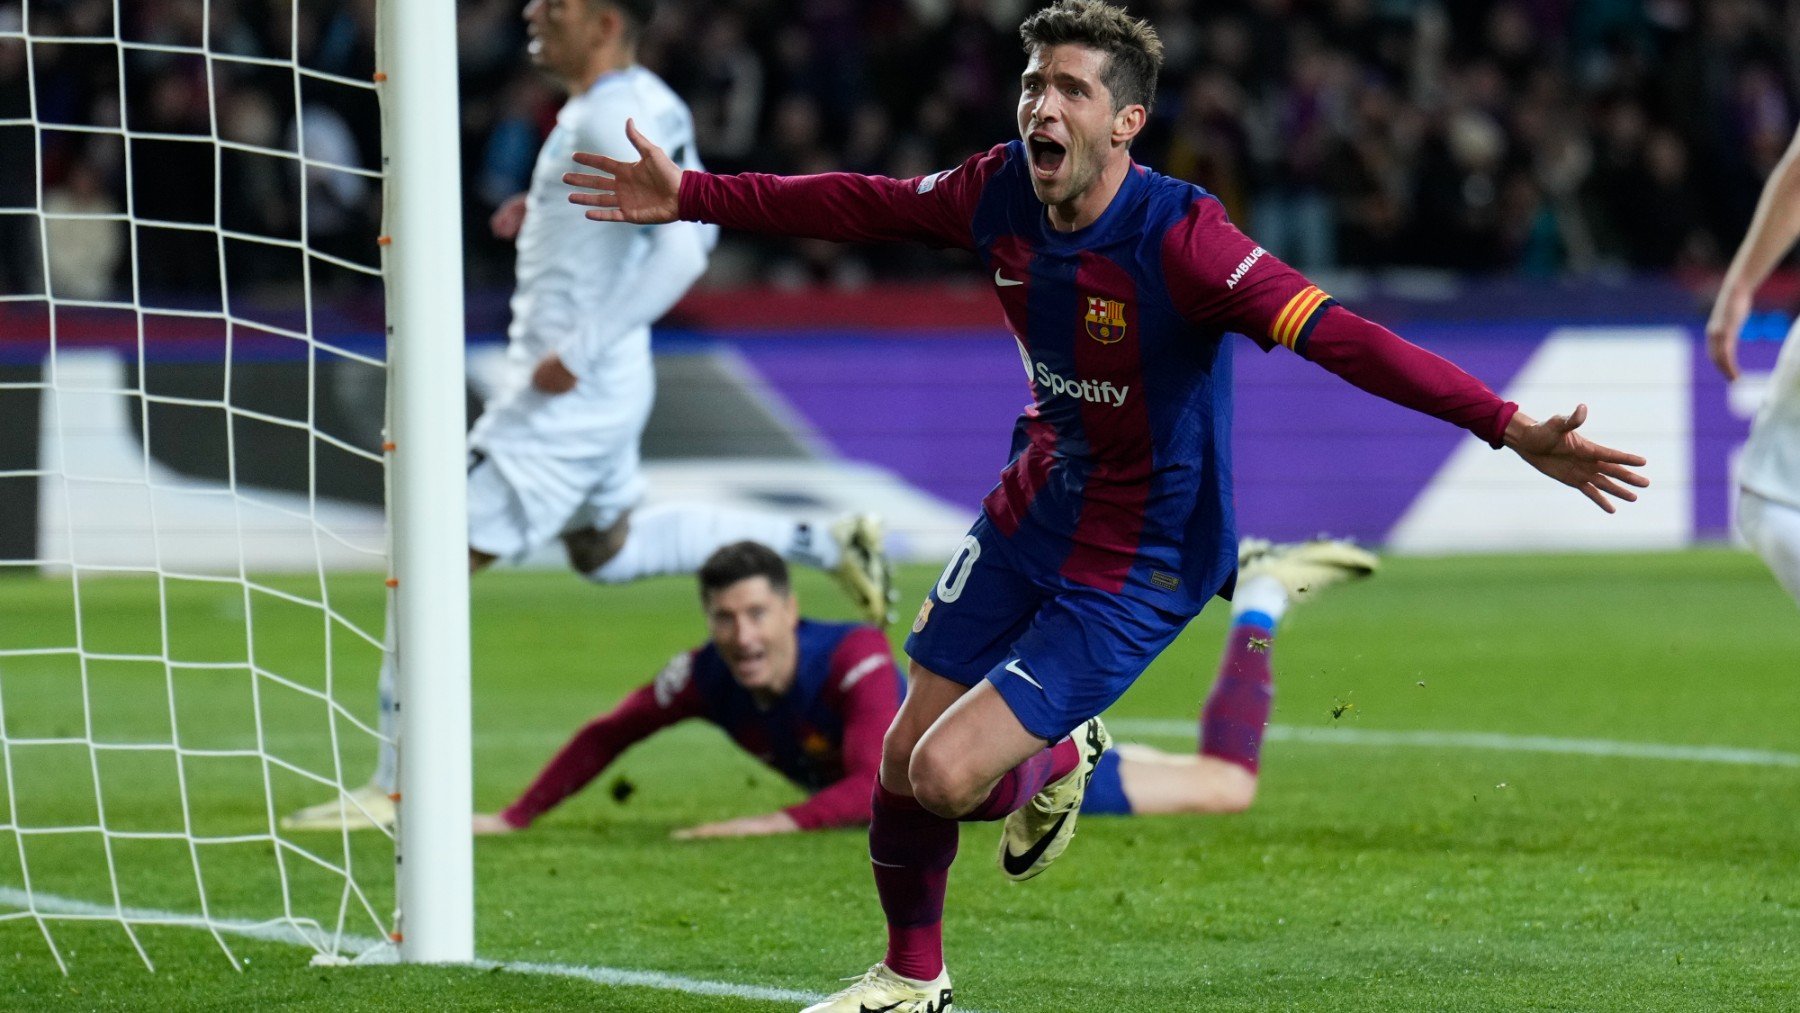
911, 851
1237, 711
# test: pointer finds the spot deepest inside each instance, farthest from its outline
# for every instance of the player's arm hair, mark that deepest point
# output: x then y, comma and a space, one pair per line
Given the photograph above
1774, 228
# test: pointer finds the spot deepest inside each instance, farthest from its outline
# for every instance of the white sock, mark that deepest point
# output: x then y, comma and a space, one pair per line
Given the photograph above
386, 755
1263, 593
677, 539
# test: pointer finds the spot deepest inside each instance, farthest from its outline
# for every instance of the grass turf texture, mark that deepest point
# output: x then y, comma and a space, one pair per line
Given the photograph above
1372, 878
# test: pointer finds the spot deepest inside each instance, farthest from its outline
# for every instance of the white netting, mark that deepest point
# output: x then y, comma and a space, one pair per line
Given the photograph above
192, 370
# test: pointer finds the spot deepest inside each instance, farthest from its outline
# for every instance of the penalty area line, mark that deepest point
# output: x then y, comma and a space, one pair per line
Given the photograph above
52, 906
1321, 736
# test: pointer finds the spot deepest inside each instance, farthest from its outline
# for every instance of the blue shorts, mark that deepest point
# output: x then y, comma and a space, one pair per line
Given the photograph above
1058, 652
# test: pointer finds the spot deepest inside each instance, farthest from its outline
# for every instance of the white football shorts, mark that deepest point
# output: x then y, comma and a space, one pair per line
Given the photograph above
520, 500
1773, 529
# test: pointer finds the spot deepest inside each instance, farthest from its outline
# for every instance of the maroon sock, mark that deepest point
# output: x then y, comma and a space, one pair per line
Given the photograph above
911, 851
1237, 711
1017, 785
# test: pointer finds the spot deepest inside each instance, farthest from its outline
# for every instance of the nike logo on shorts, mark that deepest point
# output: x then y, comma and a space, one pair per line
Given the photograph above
1004, 282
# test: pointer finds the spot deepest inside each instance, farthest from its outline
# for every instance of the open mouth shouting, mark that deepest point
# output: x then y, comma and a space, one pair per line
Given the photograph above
1047, 154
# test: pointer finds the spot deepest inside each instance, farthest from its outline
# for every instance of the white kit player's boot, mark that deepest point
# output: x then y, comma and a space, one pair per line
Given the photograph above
1040, 830
1305, 568
365, 808
864, 570
882, 991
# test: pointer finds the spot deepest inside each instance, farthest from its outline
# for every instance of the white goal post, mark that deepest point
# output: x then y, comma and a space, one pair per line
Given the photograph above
434, 850
130, 731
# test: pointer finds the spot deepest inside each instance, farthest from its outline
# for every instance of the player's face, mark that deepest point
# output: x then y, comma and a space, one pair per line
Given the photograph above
752, 624
564, 34
1067, 120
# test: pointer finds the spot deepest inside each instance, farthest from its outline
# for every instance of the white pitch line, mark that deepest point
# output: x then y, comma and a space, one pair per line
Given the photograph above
277, 931
1320, 736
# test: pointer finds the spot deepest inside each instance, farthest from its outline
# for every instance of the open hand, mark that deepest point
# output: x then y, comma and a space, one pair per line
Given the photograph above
743, 826
643, 192
1554, 448
490, 824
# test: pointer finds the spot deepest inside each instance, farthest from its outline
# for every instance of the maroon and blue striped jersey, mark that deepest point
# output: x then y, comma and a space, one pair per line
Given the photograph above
1120, 473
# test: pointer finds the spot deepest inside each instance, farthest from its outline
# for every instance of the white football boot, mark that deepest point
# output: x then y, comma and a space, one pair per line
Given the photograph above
365, 808
1040, 830
882, 991
1305, 568
863, 569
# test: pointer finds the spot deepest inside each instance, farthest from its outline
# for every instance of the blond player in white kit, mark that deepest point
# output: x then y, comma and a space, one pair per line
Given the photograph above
1768, 512
555, 454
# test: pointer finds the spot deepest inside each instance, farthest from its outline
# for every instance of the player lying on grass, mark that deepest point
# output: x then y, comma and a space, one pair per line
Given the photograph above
1113, 524
1768, 505
812, 700
555, 455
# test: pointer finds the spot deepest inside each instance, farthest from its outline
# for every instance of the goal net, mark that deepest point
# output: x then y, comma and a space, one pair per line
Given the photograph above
216, 441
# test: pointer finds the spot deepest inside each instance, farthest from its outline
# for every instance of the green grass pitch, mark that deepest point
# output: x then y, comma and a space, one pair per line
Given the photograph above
1367, 877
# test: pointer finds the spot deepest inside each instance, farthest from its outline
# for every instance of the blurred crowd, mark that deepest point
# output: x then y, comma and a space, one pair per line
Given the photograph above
1537, 137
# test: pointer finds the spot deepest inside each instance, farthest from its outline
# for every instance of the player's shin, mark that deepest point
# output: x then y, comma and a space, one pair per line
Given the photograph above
911, 850
1236, 713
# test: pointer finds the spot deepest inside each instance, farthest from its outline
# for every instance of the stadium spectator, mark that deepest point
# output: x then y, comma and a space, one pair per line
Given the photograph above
1112, 525
1356, 133
1768, 506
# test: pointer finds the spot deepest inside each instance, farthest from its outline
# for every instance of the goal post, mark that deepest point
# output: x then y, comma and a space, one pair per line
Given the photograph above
434, 849
224, 442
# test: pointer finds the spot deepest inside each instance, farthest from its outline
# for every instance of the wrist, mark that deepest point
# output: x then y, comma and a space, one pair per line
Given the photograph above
1516, 427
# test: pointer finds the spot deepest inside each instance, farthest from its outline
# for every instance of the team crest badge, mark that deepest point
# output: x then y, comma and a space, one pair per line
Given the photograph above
924, 616
1105, 319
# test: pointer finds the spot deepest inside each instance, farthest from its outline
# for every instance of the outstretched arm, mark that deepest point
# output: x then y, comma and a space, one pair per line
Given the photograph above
1220, 280
839, 206
1772, 234
647, 710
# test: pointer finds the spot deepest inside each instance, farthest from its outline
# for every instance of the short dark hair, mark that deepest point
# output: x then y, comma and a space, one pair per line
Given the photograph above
1133, 52
741, 561
638, 15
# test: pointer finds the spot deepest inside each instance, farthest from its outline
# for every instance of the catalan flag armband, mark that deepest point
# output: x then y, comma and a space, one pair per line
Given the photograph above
1297, 319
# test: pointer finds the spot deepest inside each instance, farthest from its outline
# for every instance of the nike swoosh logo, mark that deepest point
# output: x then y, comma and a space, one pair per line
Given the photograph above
1004, 282
1013, 665
1016, 865
877, 1009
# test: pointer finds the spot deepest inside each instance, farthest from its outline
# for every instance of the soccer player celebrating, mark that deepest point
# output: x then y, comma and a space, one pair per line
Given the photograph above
555, 454
809, 699
1113, 523
1768, 506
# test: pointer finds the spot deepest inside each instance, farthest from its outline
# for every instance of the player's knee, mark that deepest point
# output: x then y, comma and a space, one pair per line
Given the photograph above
590, 549
1238, 795
1231, 788
896, 757
941, 785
